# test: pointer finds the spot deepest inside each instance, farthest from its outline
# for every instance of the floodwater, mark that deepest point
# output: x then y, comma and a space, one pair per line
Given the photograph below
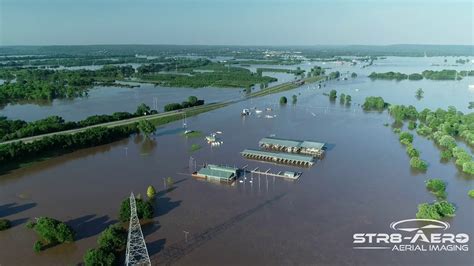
362, 185
106, 100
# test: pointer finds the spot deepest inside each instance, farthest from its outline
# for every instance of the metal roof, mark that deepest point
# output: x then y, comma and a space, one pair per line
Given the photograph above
292, 143
281, 142
286, 156
217, 171
312, 145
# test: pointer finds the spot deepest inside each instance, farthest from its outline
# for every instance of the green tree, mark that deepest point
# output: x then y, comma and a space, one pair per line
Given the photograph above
332, 94
175, 106
348, 99
418, 163
468, 167
38, 246
427, 211
374, 103
342, 98
334, 75
151, 192
445, 209
471, 193
446, 154
415, 76
146, 127
419, 93
406, 136
447, 142
436, 210
113, 238
437, 187
99, 256
142, 109
52, 231
294, 98
4, 224
412, 152
354, 75
283, 100
192, 100
144, 209
169, 181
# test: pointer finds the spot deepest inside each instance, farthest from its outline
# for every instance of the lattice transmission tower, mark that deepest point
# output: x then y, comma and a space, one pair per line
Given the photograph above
137, 254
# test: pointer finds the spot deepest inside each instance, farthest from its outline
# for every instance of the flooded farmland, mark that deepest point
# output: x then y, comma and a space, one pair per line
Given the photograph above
362, 185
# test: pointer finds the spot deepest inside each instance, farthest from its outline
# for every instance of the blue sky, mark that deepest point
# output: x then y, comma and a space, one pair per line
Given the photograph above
241, 22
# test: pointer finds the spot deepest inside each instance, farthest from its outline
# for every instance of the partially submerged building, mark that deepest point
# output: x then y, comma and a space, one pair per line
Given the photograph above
291, 174
277, 157
217, 173
312, 148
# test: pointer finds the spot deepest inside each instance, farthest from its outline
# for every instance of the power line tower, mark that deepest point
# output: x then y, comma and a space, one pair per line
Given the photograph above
137, 254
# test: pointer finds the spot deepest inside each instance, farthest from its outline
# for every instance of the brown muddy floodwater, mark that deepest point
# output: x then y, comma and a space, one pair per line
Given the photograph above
362, 185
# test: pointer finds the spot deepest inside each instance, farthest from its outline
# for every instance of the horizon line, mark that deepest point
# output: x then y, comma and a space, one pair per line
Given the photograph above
242, 45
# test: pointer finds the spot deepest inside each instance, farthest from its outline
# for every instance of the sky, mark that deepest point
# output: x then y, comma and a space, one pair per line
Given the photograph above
236, 22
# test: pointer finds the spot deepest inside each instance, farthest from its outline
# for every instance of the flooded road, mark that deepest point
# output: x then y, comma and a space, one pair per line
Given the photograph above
362, 185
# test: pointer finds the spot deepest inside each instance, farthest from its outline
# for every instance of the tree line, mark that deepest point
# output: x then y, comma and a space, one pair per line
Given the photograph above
427, 74
47, 84
17, 129
443, 127
15, 153
211, 75
191, 102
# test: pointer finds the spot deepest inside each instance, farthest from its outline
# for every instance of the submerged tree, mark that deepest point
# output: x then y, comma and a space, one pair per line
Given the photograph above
294, 98
151, 192
348, 99
419, 93
436, 210
169, 181
51, 232
342, 98
374, 103
283, 100
418, 163
4, 224
144, 209
146, 127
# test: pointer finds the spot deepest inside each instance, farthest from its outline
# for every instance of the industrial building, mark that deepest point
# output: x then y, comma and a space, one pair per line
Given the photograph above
312, 148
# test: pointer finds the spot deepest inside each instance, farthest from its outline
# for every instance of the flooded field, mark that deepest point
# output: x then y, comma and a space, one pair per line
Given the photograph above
106, 100
362, 185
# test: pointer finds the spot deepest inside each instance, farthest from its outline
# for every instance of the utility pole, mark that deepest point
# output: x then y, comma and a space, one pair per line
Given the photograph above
186, 236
